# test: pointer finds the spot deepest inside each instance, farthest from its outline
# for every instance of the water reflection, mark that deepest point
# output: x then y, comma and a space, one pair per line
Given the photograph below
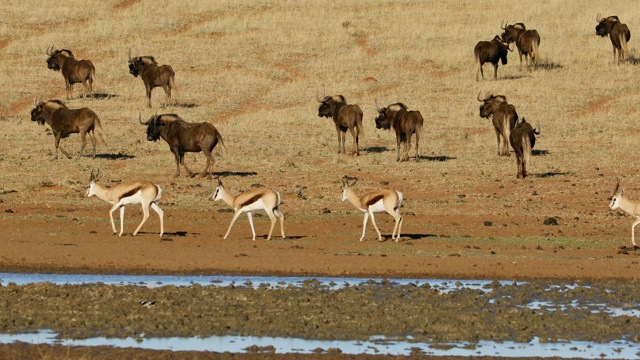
376, 346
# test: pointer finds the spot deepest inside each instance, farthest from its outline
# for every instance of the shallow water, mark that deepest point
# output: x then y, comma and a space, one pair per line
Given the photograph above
545, 298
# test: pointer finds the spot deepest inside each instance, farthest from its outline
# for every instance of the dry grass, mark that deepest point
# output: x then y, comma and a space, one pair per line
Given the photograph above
253, 68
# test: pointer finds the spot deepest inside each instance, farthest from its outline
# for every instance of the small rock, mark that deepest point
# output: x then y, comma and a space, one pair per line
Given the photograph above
551, 221
488, 223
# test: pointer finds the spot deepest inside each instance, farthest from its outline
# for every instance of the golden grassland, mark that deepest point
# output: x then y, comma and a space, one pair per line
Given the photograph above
253, 69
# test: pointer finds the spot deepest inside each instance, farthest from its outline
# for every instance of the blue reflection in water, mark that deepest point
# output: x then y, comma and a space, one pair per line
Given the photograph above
239, 344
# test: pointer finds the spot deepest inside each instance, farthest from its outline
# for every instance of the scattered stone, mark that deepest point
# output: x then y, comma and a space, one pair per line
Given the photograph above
551, 221
488, 223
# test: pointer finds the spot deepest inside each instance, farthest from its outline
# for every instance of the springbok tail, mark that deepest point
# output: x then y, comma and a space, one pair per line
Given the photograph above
159, 193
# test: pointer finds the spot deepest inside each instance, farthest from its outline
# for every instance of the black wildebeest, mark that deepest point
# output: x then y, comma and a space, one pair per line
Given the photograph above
73, 71
405, 123
527, 42
618, 33
493, 52
504, 118
64, 121
184, 137
152, 75
523, 139
346, 117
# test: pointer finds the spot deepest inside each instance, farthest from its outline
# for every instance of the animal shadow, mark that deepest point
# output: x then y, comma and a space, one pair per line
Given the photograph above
377, 149
514, 77
539, 152
550, 174
118, 156
184, 105
417, 236
549, 66
234, 173
102, 96
437, 158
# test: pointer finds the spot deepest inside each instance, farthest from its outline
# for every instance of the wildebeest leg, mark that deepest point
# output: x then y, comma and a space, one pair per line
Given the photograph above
398, 142
93, 141
167, 93
57, 143
210, 161
176, 153
495, 71
149, 89
83, 140
189, 172
339, 138
525, 59
499, 141
417, 145
407, 147
479, 72
69, 87
355, 139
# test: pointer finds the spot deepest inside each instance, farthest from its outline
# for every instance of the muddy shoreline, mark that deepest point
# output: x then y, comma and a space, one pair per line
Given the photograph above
313, 311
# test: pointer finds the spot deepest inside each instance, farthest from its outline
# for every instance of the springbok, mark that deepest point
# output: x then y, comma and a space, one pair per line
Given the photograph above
619, 201
372, 202
146, 194
258, 199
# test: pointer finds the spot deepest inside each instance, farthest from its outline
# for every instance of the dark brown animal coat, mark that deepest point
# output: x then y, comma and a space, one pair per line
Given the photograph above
64, 121
504, 118
345, 117
153, 75
490, 51
405, 123
73, 71
184, 137
618, 33
523, 139
527, 42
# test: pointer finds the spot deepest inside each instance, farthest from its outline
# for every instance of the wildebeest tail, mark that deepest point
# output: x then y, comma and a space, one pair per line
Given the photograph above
526, 148
623, 46
101, 132
359, 126
535, 55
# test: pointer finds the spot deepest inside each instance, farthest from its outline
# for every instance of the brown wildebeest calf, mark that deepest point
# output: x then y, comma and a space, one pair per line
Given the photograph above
503, 116
346, 117
184, 137
405, 123
523, 139
153, 75
64, 121
73, 71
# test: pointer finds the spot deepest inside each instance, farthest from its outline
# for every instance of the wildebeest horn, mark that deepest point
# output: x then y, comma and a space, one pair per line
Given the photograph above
50, 50
479, 96
503, 27
318, 97
129, 54
598, 18
509, 47
377, 108
140, 120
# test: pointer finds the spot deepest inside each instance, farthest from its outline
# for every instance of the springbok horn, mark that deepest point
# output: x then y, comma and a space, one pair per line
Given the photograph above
617, 186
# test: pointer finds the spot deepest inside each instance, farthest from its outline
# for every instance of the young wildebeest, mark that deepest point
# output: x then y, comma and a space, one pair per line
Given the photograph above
152, 75
73, 71
527, 42
619, 200
146, 194
618, 33
184, 137
371, 202
504, 118
405, 123
64, 121
490, 51
346, 117
523, 139
258, 199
